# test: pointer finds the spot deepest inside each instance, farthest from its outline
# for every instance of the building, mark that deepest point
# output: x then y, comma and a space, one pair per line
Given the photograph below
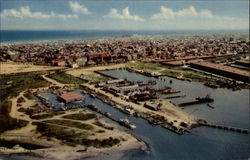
70, 97
81, 61
129, 88
115, 81
59, 62
152, 106
227, 71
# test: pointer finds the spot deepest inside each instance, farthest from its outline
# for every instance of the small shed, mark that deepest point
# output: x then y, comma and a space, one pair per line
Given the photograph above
152, 106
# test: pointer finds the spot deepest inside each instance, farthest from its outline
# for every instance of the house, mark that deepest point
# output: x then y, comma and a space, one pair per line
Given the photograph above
59, 62
70, 97
81, 61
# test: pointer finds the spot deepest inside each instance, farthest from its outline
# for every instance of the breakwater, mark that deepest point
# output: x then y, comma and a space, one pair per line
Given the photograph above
226, 128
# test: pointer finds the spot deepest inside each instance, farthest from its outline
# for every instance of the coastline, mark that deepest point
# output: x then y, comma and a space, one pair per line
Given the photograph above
56, 149
122, 34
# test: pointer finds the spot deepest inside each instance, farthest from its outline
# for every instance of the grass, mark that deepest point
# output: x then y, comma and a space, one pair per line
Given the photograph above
20, 83
64, 78
81, 116
172, 71
94, 77
42, 116
45, 115
59, 132
68, 123
12, 143
7, 122
71, 137
98, 123
145, 66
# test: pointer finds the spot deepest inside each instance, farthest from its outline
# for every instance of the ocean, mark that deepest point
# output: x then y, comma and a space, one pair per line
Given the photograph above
11, 36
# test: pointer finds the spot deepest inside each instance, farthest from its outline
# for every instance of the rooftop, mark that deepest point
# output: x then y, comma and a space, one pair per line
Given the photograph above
69, 96
223, 68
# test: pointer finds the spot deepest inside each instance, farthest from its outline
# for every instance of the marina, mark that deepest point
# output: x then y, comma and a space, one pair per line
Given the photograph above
115, 112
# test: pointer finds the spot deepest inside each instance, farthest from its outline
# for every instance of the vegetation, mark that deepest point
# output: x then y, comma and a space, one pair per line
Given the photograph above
71, 124
176, 72
59, 132
11, 86
41, 116
46, 115
98, 123
64, 78
20, 100
7, 122
12, 143
95, 77
145, 66
28, 95
20, 82
109, 142
72, 137
171, 73
81, 116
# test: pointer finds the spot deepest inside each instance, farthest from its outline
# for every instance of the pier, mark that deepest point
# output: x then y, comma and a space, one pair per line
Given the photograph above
197, 100
226, 128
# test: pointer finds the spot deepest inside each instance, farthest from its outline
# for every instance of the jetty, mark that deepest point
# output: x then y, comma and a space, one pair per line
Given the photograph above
197, 100
177, 96
124, 122
226, 128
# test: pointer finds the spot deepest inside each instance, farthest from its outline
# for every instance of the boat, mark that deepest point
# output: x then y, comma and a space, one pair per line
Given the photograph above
204, 99
211, 85
127, 111
92, 96
170, 91
210, 106
127, 123
173, 129
198, 100
63, 108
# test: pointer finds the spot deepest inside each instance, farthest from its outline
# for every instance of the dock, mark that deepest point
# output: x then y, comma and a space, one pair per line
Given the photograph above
197, 100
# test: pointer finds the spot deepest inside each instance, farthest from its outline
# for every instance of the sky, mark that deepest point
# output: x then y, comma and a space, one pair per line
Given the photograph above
124, 15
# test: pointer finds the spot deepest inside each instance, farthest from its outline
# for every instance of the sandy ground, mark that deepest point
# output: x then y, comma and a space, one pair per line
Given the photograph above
8, 68
57, 150
89, 70
169, 111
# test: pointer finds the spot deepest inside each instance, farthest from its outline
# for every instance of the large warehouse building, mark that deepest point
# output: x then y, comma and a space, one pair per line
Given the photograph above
227, 71
70, 97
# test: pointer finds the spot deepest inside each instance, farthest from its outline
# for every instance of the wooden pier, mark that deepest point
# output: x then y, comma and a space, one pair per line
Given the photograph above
226, 128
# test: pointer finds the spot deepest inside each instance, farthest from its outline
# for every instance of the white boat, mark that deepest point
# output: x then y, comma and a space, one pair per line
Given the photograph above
127, 123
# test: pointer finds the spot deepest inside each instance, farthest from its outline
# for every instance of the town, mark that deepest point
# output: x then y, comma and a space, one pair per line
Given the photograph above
117, 50
51, 88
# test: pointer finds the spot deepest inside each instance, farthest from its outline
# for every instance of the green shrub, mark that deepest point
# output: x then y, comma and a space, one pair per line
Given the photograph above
80, 116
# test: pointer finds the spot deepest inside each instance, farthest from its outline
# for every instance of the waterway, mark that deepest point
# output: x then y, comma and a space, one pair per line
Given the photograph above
231, 109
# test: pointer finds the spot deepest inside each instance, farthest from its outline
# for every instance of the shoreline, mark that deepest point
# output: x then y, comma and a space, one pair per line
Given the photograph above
54, 147
158, 33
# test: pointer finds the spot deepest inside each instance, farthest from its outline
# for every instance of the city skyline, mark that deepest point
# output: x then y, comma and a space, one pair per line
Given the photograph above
124, 15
